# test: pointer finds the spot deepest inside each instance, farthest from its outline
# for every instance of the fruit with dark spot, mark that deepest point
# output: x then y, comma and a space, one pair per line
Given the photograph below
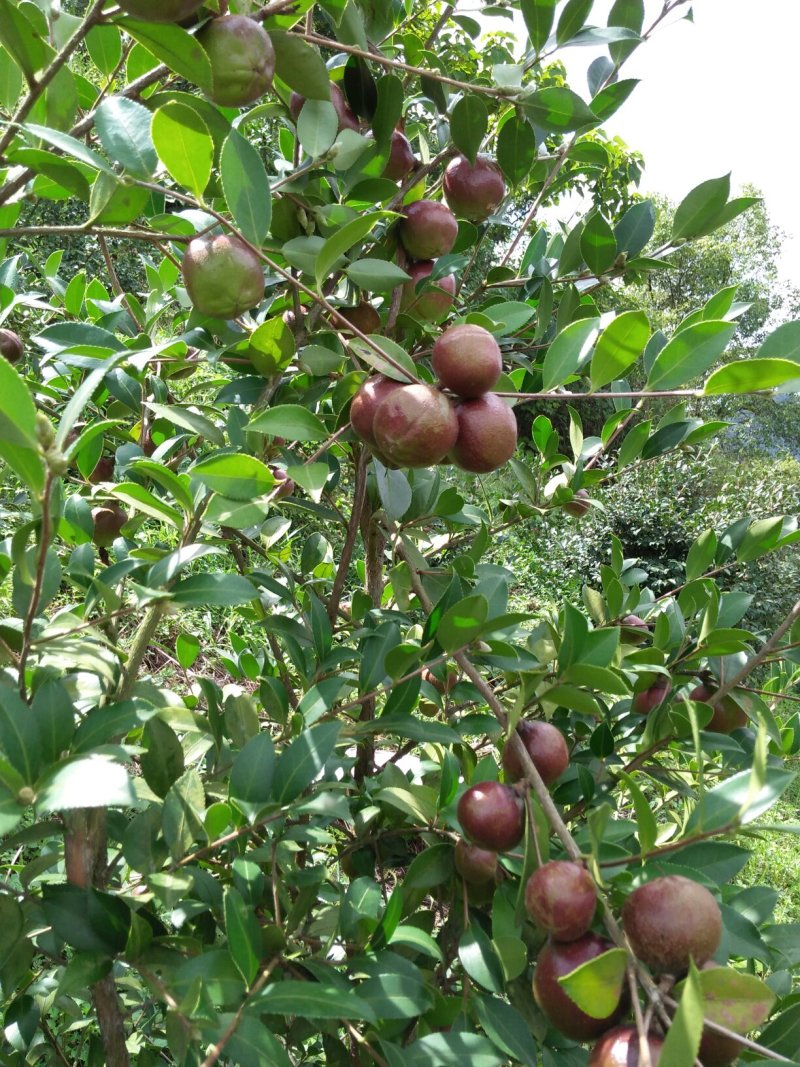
365, 403
620, 1048
561, 898
467, 360
431, 302
428, 230
487, 434
492, 816
161, 10
222, 275
579, 504
242, 59
727, 715
415, 426
107, 521
348, 120
474, 191
11, 347
475, 865
363, 316
556, 960
546, 747
103, 470
647, 700
671, 920
401, 158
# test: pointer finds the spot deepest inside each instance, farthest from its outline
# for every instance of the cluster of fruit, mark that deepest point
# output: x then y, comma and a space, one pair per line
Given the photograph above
419, 425
668, 921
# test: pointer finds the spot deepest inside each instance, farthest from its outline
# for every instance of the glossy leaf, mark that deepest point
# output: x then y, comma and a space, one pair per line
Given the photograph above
516, 149
184, 145
697, 212
302, 761
619, 346
750, 375
539, 16
246, 187
598, 245
291, 421
596, 986
689, 354
558, 110
568, 351
300, 65
683, 1037
239, 477
468, 125
174, 46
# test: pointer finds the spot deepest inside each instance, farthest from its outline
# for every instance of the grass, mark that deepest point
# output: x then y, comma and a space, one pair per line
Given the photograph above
775, 859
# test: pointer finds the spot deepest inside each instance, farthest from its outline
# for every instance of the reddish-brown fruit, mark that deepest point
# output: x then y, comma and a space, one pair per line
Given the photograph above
620, 1048
635, 630
363, 316
474, 192
556, 960
579, 504
451, 679
401, 158
365, 403
487, 434
475, 865
492, 816
647, 700
671, 920
103, 470
11, 347
348, 120
727, 715
546, 747
433, 301
467, 360
286, 486
161, 10
561, 898
222, 275
428, 230
108, 521
242, 59
415, 426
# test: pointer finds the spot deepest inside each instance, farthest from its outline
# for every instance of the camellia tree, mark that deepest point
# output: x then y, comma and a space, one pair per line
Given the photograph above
390, 819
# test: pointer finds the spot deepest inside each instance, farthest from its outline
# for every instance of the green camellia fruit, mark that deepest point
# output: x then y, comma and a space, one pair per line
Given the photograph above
428, 230
432, 301
11, 347
161, 10
222, 275
476, 191
487, 434
242, 59
415, 426
467, 360
670, 921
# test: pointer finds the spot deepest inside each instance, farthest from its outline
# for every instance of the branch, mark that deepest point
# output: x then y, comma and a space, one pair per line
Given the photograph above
359, 496
257, 986
759, 657
36, 593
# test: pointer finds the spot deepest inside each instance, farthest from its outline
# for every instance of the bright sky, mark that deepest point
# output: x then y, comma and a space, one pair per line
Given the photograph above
716, 95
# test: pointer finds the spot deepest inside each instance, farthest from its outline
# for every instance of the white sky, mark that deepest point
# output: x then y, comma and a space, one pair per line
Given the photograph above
716, 95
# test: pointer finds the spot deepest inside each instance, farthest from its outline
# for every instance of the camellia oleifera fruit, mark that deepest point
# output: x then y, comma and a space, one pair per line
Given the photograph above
222, 275
620, 1048
242, 59
415, 426
365, 403
579, 505
561, 898
487, 434
401, 159
11, 347
161, 10
474, 191
546, 747
348, 120
727, 715
556, 960
429, 229
475, 865
432, 301
492, 816
671, 920
363, 316
467, 360
107, 522
648, 699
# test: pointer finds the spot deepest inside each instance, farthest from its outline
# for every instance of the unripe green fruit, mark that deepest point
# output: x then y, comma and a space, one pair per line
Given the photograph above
11, 347
401, 158
671, 920
561, 898
546, 747
487, 434
467, 360
620, 1048
474, 192
429, 229
108, 520
492, 816
365, 403
556, 960
475, 865
415, 426
242, 59
161, 10
433, 301
222, 275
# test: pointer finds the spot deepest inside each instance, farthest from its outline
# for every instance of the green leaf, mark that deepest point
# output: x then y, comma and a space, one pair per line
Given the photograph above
451, 1049
302, 761
598, 244
401, 368
70, 146
187, 649
697, 212
251, 775
19, 37
558, 110
516, 148
568, 351
572, 19
750, 375
19, 446
213, 590
182, 814
88, 920
469, 122
741, 1002
507, 1029
124, 130
538, 15
317, 127
143, 500
645, 819
479, 959
635, 228
92, 781
291, 421
783, 343
312, 1000
689, 354
463, 622
612, 97
244, 934
300, 65
430, 868
342, 241
596, 986
683, 1037
619, 346
783, 1034
376, 275
162, 763
104, 45
738, 799
184, 145
174, 46
237, 476
187, 419
19, 735
246, 187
